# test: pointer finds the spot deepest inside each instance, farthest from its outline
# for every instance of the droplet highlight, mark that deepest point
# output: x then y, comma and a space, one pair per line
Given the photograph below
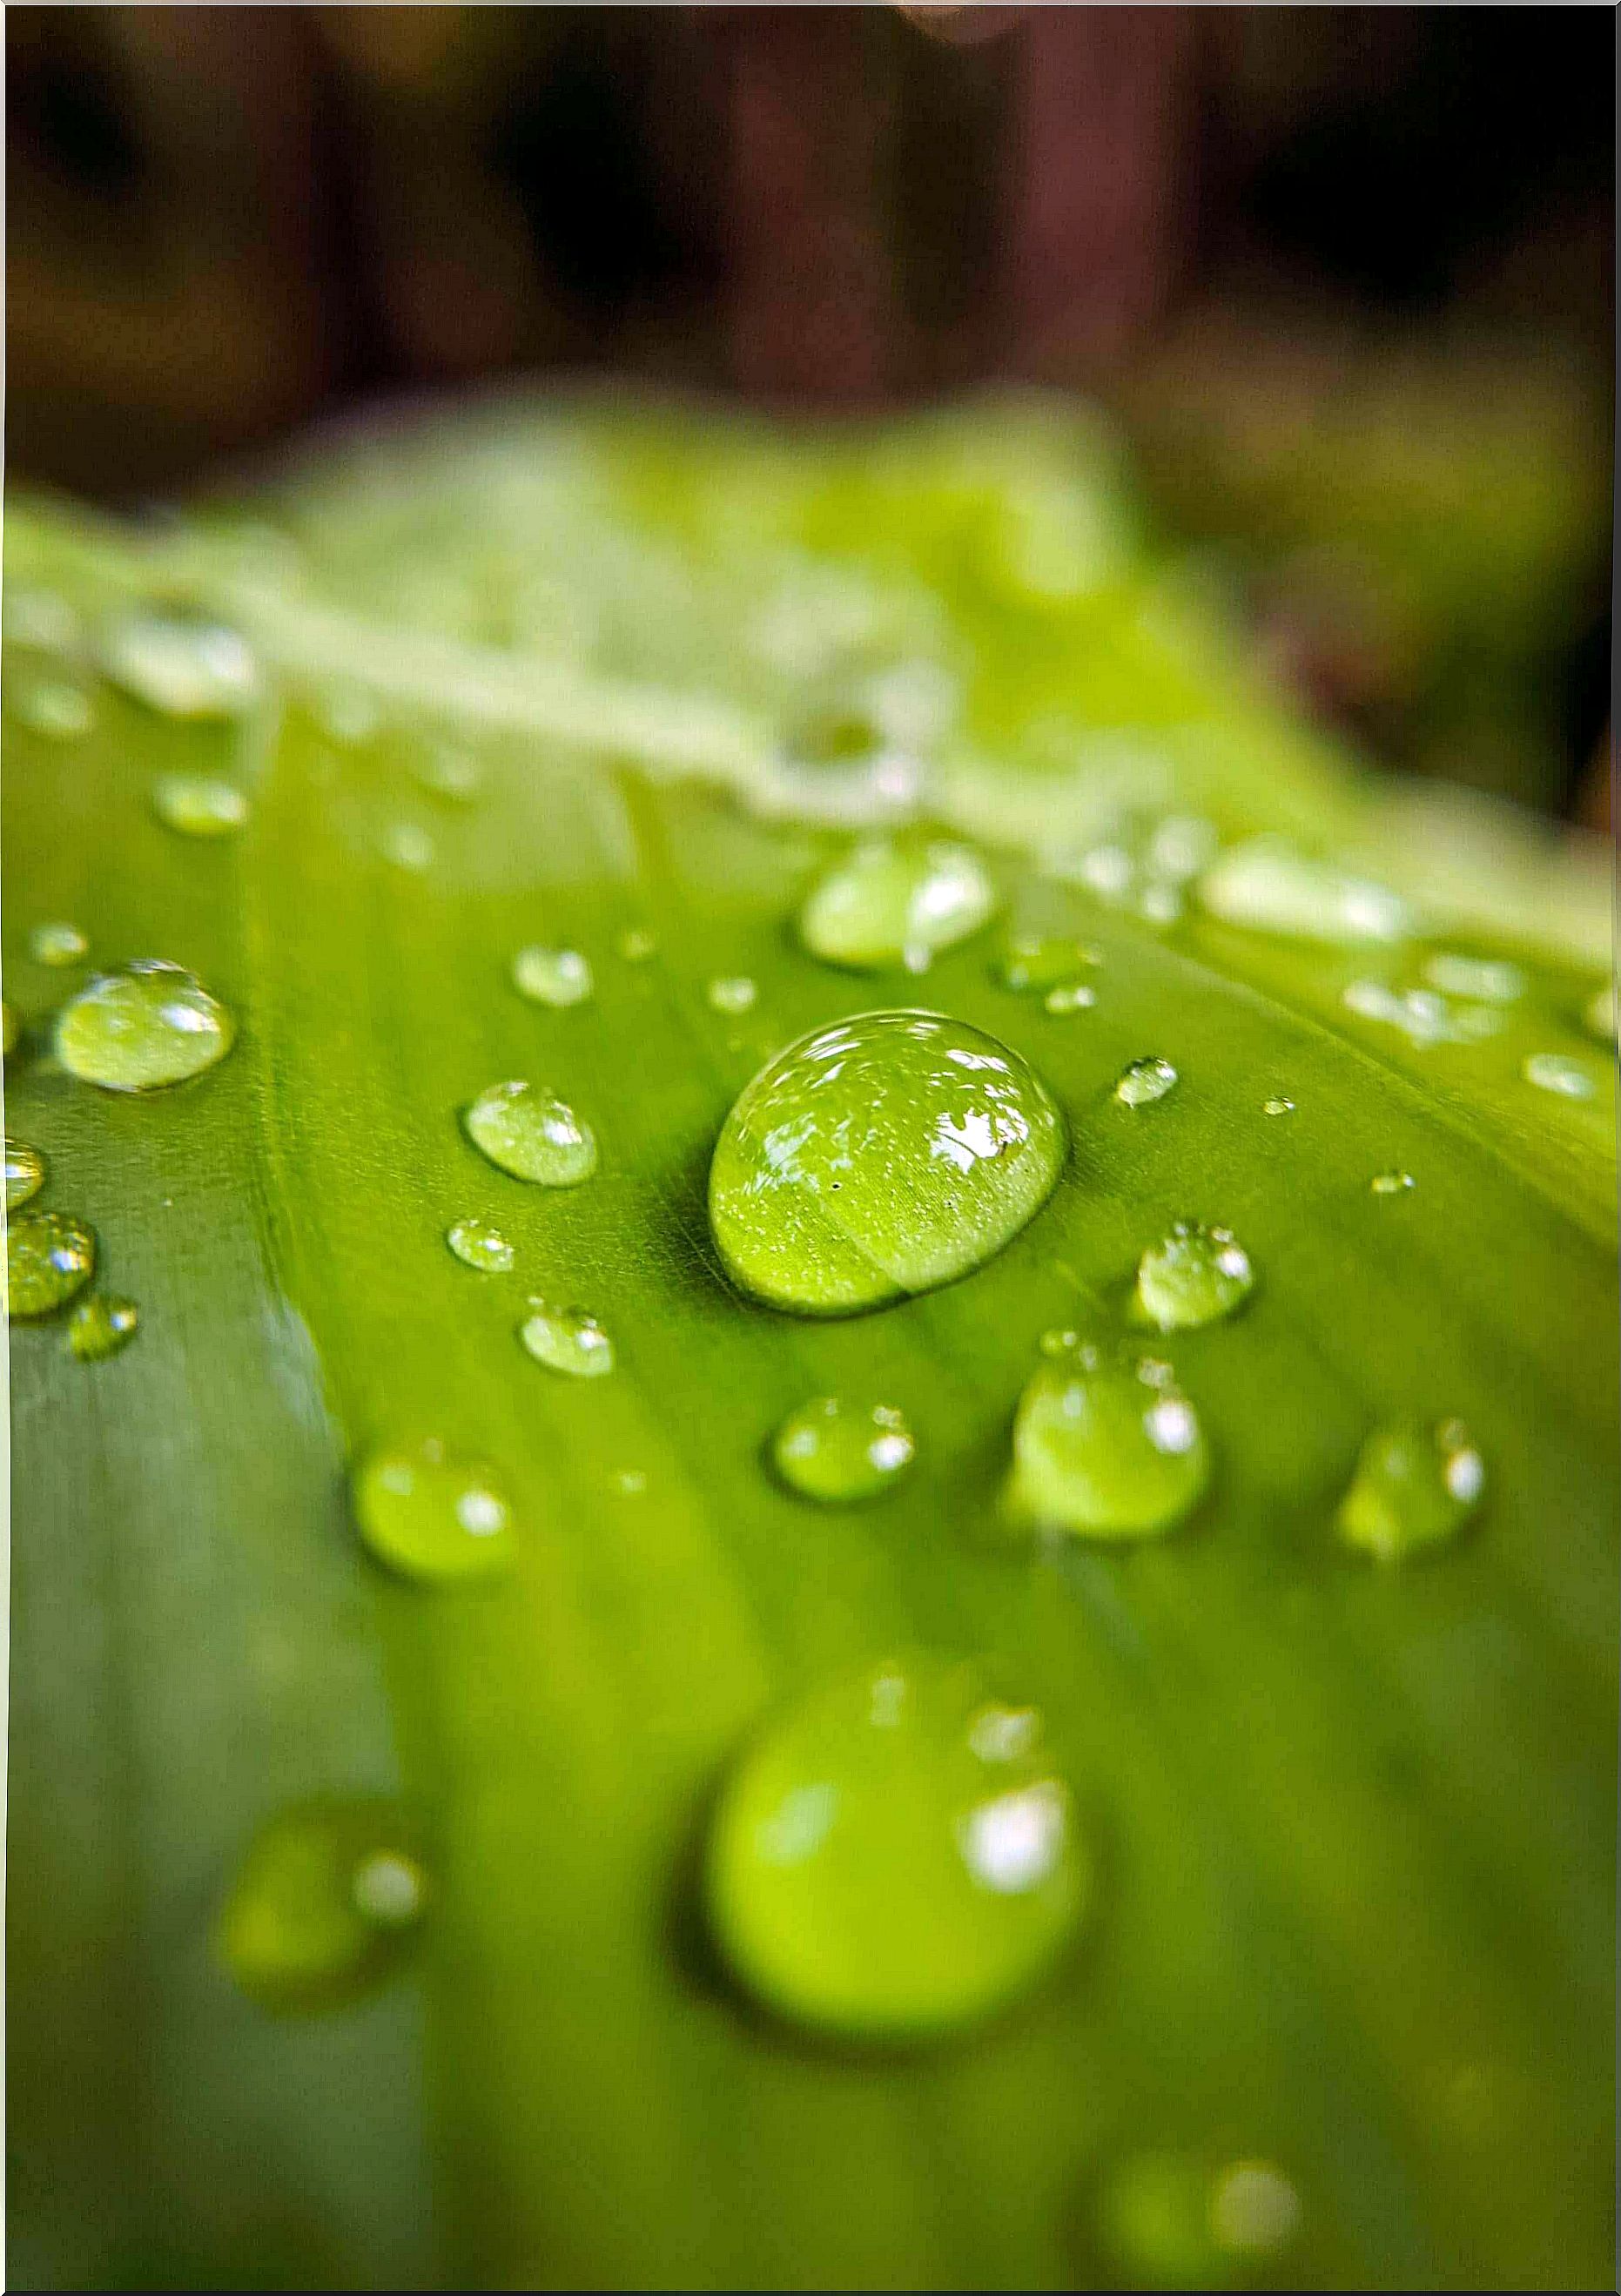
839, 1453
145, 1026
533, 1134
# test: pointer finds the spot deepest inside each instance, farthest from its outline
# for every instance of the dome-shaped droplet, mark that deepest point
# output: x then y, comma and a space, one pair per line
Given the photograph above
566, 1340
1269, 887
1141, 1082
146, 1025
49, 1258
733, 993
408, 847
1555, 1072
897, 904
839, 1452
532, 1135
25, 1172
182, 667
322, 1905
1278, 1105
879, 1157
1413, 1487
431, 1514
102, 1325
557, 977
895, 1856
1192, 1276
1391, 1184
199, 805
1106, 1449
58, 944
477, 1244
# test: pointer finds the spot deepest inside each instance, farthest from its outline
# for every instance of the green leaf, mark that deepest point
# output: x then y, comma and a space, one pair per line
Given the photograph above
543, 679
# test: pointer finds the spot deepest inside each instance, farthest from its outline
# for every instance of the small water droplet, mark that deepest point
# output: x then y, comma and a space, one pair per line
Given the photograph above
1141, 1082
532, 1133
566, 1340
58, 945
102, 1326
1483, 978
476, 1243
731, 993
1070, 996
431, 1514
25, 1172
49, 1258
557, 977
1106, 1449
407, 846
322, 1904
837, 1451
1170, 2221
57, 709
881, 1157
182, 667
1391, 1184
1421, 1015
1195, 1275
897, 904
1413, 1487
199, 805
350, 714
1553, 1072
1034, 963
636, 947
1255, 2210
1059, 1341
882, 1864
1267, 886
630, 1482
1277, 1106
1598, 1013
449, 773
147, 1025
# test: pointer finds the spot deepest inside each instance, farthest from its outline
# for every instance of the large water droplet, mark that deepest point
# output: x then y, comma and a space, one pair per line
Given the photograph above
566, 1340
147, 1025
181, 666
322, 1905
476, 1243
557, 977
1194, 1276
1554, 1073
1142, 1082
839, 1452
897, 904
532, 1135
49, 1257
1413, 1487
25, 1172
431, 1514
102, 1326
1269, 887
58, 944
881, 1157
199, 805
1106, 1449
895, 1856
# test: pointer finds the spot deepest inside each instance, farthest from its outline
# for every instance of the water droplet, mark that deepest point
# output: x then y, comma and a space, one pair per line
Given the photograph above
350, 714
58, 945
1553, 1072
1485, 977
636, 947
557, 977
1061, 1340
1277, 1106
322, 1904
1169, 2221
477, 1244
42, 619
56, 709
198, 804
731, 993
147, 1025
1070, 996
1391, 1184
1422, 1016
883, 1863
837, 1451
1269, 887
1144, 1081
25, 1172
1181, 845
897, 904
49, 1257
1598, 1013
881, 1157
566, 1340
431, 1514
407, 847
1195, 1276
181, 666
102, 1325
1106, 1449
532, 1135
1413, 1487
1255, 2210
1034, 963
449, 773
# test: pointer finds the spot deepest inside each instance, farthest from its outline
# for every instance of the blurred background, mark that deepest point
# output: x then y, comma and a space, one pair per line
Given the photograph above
1345, 274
